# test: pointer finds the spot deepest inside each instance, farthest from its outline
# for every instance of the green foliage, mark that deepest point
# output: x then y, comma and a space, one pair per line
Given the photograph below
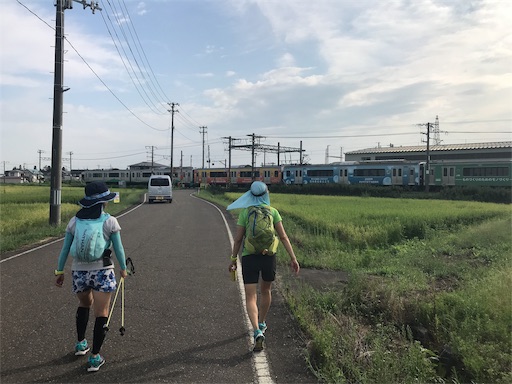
469, 193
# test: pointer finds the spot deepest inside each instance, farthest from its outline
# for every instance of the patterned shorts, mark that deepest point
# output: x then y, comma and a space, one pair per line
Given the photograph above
103, 280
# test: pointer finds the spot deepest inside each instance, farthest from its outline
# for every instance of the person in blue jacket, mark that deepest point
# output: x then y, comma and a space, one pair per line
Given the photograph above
93, 281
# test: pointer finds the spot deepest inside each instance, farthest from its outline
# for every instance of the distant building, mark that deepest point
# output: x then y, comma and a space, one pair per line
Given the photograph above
491, 151
21, 176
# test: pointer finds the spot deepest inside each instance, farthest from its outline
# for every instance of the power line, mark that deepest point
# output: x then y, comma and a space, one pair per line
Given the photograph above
133, 74
92, 70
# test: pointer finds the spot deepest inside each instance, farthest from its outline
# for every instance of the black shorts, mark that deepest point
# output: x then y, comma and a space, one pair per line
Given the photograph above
252, 265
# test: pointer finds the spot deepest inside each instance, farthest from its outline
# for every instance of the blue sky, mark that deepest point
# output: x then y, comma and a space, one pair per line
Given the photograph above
335, 75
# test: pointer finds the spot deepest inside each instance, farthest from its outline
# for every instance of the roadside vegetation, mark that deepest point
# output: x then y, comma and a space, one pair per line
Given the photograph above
429, 294
25, 212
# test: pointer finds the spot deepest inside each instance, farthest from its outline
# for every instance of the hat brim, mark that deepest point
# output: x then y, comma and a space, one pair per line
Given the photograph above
87, 203
249, 200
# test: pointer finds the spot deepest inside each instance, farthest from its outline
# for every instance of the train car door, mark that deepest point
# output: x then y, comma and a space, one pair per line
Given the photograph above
298, 175
411, 178
266, 176
343, 176
397, 176
448, 175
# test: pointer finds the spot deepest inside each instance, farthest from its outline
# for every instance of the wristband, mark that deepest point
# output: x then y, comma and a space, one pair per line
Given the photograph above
57, 273
235, 258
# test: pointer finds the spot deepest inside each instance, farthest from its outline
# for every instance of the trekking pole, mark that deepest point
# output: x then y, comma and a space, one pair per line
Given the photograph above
130, 270
121, 283
121, 330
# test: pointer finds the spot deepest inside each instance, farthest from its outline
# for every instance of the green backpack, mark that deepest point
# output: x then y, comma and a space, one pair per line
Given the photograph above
260, 235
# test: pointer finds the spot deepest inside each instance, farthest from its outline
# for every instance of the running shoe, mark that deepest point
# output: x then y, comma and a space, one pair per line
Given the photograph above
259, 338
94, 363
262, 326
81, 348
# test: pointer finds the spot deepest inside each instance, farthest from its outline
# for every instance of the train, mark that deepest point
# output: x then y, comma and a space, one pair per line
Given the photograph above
495, 173
403, 173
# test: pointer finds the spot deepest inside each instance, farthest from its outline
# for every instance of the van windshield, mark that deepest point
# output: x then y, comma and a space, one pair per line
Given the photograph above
159, 182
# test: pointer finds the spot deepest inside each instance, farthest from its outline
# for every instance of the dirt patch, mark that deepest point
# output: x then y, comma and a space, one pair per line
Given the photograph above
319, 279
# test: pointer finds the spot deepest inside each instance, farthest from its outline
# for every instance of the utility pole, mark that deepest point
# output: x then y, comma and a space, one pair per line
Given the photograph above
202, 130
152, 147
229, 157
181, 166
173, 111
253, 151
40, 151
5, 162
58, 90
70, 166
427, 176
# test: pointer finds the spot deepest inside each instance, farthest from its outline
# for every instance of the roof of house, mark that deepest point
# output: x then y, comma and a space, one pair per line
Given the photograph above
433, 148
146, 164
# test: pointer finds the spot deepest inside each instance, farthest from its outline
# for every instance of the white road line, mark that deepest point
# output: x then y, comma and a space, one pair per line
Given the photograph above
56, 241
260, 363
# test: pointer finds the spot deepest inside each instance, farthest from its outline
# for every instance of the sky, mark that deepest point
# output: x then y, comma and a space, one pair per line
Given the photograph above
325, 76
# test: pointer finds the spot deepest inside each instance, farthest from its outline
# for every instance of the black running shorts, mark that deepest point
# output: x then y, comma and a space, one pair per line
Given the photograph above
252, 265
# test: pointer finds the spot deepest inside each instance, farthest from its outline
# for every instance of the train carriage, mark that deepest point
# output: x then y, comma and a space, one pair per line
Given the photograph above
239, 176
372, 172
481, 173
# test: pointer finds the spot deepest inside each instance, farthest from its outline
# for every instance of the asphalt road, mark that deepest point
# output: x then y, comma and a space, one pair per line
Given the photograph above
185, 319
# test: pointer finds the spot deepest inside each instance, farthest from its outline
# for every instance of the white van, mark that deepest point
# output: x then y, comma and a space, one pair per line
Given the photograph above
159, 188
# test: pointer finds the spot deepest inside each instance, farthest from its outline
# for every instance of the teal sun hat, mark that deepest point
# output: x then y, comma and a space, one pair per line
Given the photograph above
257, 195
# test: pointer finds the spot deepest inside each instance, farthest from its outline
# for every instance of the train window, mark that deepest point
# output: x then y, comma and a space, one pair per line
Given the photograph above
288, 173
445, 172
276, 173
218, 174
146, 174
452, 172
394, 172
245, 174
399, 172
369, 172
113, 174
320, 172
346, 172
97, 175
485, 171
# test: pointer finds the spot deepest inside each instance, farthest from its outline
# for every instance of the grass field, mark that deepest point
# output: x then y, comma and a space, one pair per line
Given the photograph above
25, 212
430, 289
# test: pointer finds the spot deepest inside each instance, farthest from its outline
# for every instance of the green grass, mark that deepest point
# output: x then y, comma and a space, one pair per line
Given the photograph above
25, 212
426, 276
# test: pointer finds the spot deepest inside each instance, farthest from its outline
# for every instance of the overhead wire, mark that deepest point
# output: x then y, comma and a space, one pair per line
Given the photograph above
132, 73
94, 72
159, 88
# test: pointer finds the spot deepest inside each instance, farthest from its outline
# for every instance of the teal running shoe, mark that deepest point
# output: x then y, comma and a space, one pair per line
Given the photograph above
81, 348
94, 363
259, 338
262, 326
